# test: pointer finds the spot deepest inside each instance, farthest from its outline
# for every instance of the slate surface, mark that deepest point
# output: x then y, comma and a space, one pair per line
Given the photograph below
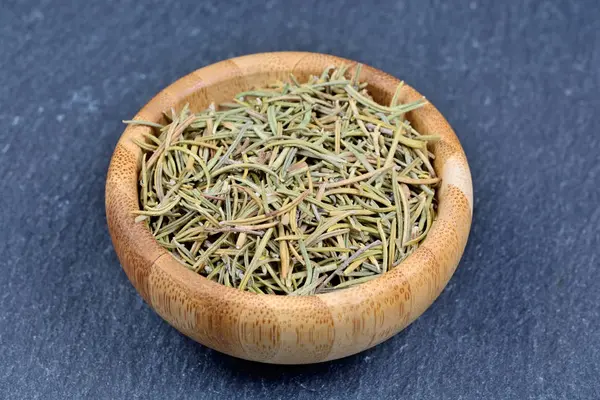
517, 80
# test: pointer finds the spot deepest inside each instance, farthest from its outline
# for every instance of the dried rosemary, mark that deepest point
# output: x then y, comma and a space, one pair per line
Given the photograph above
292, 189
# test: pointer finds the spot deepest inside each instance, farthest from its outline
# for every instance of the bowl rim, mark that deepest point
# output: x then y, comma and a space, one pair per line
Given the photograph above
140, 254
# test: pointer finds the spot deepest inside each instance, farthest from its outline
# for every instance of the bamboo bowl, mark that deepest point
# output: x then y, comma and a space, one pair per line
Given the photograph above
280, 329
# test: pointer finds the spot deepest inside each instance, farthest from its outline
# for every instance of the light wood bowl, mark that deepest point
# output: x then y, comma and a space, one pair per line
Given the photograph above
280, 329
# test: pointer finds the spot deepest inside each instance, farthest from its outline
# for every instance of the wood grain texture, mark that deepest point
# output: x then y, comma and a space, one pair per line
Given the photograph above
280, 329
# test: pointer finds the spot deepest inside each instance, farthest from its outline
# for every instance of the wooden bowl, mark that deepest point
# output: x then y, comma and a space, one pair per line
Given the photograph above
281, 329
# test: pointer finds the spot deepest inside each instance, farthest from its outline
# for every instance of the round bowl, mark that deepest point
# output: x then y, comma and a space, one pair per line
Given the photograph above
282, 329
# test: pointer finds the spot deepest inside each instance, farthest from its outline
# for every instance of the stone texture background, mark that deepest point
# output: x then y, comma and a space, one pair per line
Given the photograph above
518, 80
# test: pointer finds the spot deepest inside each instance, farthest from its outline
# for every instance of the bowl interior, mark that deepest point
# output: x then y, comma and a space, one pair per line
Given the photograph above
220, 82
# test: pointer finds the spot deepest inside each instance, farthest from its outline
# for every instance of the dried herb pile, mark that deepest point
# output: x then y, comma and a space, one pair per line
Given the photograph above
297, 188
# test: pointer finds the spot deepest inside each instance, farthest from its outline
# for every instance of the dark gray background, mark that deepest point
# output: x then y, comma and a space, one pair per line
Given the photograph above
518, 80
